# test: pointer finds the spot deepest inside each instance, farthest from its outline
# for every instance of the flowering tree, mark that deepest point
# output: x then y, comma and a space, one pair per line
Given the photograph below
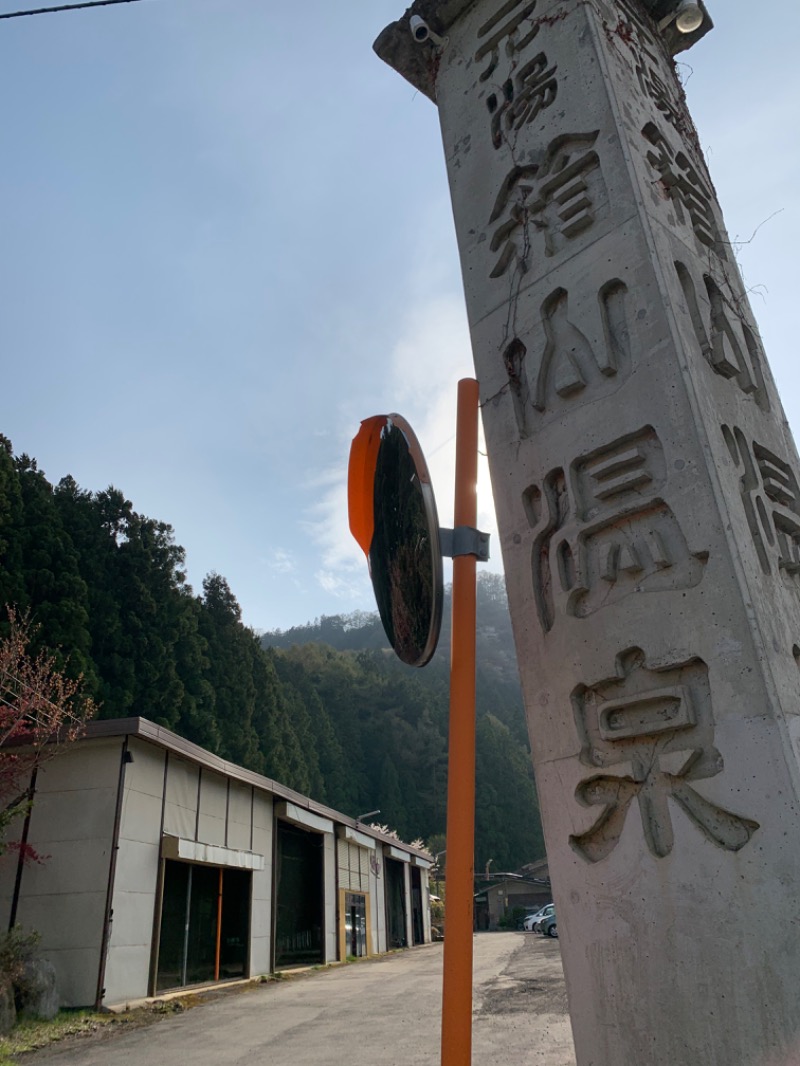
41, 710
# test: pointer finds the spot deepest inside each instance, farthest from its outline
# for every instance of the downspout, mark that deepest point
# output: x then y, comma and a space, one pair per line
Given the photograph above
125, 758
339, 918
276, 877
155, 939
12, 919
323, 887
218, 944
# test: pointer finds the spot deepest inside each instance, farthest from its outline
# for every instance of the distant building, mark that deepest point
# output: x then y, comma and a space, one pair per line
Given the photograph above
526, 892
169, 867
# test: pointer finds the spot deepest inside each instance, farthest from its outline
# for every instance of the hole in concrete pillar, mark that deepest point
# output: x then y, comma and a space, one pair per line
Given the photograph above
532, 502
765, 522
731, 442
796, 653
566, 566
513, 360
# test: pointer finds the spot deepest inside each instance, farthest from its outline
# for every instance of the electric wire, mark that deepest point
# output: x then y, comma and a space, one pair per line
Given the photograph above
63, 7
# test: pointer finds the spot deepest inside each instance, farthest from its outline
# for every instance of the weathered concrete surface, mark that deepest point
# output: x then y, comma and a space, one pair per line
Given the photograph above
419, 62
647, 492
386, 1011
520, 1015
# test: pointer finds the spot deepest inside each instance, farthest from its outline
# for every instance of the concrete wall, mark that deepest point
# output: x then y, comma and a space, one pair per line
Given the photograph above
200, 805
64, 897
180, 809
329, 909
377, 886
240, 804
136, 877
426, 903
212, 822
409, 909
197, 804
165, 796
261, 915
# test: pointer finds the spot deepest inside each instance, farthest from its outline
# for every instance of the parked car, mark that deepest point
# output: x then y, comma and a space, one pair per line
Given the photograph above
530, 922
548, 927
546, 911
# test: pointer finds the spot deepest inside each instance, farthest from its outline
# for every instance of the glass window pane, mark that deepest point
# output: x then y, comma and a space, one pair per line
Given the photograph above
235, 923
202, 946
173, 924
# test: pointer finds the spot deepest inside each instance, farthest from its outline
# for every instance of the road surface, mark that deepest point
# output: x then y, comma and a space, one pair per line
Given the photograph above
378, 1012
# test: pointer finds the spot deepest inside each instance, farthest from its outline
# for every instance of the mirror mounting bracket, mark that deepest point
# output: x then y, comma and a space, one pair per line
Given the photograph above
464, 540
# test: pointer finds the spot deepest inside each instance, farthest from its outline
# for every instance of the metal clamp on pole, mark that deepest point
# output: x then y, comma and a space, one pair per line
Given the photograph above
464, 540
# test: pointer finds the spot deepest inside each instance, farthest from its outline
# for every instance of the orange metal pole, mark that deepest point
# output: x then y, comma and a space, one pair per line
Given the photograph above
457, 985
219, 928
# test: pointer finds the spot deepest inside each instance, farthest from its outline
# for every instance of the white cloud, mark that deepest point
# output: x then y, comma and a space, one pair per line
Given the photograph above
282, 562
343, 584
431, 354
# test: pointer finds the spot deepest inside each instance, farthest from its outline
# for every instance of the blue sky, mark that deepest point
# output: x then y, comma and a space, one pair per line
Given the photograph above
226, 238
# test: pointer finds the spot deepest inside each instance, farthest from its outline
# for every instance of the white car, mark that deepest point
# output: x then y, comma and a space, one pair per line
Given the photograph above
529, 925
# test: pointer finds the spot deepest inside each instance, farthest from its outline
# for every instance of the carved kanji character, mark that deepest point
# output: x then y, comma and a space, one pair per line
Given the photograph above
579, 359
523, 96
656, 88
657, 721
726, 340
506, 27
608, 533
685, 188
554, 198
771, 498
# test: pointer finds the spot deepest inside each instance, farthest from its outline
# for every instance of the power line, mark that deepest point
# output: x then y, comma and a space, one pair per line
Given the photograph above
64, 7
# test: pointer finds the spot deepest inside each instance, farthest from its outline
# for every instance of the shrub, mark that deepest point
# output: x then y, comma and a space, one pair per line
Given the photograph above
18, 948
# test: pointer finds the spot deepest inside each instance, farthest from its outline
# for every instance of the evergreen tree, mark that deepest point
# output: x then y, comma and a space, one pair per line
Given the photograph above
316, 733
198, 718
507, 823
12, 580
349, 725
390, 798
232, 651
96, 523
54, 591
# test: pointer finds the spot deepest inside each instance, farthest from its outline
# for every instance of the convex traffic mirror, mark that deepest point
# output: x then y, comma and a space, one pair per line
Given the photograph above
393, 517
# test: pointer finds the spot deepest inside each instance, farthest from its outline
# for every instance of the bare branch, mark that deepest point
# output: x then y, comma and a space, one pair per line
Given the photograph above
41, 710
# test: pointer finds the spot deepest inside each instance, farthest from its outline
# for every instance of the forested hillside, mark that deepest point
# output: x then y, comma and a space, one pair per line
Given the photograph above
324, 709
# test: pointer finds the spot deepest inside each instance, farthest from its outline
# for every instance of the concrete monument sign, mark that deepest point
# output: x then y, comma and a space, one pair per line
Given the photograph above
649, 507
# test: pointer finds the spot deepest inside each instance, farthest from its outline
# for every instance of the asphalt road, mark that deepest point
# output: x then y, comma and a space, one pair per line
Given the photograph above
374, 1013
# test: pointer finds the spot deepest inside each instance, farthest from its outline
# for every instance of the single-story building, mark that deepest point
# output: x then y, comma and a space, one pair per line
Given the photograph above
166, 866
525, 892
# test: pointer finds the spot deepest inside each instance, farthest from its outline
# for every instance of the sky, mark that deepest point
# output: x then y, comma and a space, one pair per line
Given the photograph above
226, 239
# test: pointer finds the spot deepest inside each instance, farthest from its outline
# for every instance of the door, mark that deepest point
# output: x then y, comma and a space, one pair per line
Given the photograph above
395, 904
355, 924
417, 922
205, 924
299, 893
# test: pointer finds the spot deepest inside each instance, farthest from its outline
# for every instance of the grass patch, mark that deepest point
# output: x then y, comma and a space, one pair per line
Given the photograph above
32, 1035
